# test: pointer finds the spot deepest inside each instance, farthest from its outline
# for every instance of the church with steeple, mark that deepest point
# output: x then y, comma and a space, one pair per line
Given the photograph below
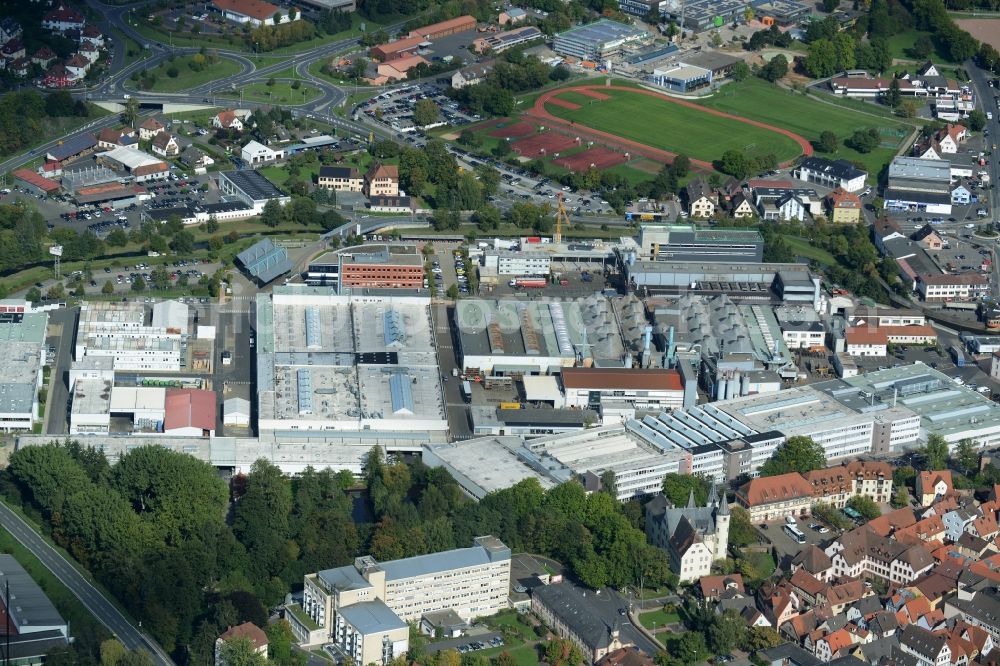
693, 536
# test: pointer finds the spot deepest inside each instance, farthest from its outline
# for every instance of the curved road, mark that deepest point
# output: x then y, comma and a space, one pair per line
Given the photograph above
95, 602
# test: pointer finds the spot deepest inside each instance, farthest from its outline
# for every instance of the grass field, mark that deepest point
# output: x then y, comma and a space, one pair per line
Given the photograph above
280, 93
659, 618
678, 129
803, 248
187, 77
900, 44
759, 100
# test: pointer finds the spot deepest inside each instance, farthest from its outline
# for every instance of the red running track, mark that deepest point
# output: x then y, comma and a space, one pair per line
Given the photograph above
538, 111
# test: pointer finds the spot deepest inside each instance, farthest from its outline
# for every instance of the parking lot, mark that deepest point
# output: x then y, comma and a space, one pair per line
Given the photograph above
787, 547
394, 108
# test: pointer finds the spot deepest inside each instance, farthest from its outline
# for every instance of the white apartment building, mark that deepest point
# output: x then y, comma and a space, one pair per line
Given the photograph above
352, 605
509, 262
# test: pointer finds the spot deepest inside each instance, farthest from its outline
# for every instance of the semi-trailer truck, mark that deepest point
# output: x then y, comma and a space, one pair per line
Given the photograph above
529, 282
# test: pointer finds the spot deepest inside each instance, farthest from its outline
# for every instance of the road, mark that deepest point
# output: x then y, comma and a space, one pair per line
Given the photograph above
984, 93
105, 612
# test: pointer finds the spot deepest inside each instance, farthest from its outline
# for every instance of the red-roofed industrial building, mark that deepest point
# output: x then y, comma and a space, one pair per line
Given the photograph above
189, 413
643, 389
34, 183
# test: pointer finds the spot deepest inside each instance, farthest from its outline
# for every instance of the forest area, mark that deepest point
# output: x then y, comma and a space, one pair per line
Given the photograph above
190, 555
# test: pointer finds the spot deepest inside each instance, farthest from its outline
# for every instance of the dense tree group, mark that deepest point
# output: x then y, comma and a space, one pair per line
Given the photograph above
797, 454
26, 117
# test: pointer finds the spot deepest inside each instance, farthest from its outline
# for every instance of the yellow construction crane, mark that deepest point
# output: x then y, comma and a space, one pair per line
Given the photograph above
561, 217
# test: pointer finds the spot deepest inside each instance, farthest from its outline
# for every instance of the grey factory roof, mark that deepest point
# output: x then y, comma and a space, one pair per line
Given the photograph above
601, 32
253, 184
945, 408
369, 617
73, 146
27, 327
31, 608
569, 604
713, 60
265, 261
422, 565
921, 169
894, 194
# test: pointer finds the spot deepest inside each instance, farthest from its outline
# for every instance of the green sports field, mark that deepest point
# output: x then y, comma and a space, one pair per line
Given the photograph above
668, 126
758, 100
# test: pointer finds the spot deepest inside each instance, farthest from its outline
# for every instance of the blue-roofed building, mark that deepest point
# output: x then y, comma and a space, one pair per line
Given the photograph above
264, 261
72, 147
369, 599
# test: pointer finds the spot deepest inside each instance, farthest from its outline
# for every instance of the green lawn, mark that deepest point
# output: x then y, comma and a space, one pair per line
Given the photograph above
658, 618
763, 563
900, 44
759, 100
675, 128
804, 248
187, 77
280, 93
524, 655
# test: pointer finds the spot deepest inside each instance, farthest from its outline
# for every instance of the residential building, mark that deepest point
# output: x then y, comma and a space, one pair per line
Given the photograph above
380, 203
641, 389
247, 631
741, 207
196, 160
863, 553
933, 485
844, 207
831, 173
859, 478
43, 56
512, 15
340, 179
960, 195
701, 199
952, 287
255, 153
599, 40
364, 608
769, 498
150, 128
565, 609
382, 180
694, 537
254, 12
231, 119
928, 648
9, 29
471, 75
165, 145
63, 19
